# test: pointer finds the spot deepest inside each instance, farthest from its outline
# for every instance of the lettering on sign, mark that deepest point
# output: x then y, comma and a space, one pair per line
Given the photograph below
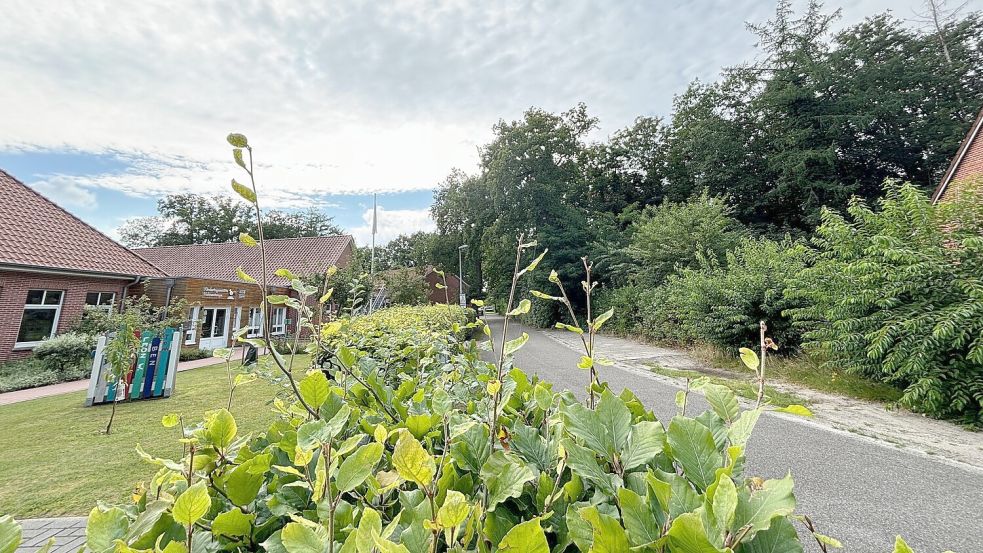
210, 292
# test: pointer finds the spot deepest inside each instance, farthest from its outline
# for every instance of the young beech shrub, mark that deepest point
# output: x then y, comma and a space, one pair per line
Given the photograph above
399, 459
66, 352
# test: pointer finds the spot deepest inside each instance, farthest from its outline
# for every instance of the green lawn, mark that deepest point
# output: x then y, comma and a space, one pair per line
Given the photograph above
55, 460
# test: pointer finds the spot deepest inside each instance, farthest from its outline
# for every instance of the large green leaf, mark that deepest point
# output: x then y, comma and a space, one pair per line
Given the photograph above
470, 450
313, 434
527, 537
759, 508
723, 402
245, 481
412, 462
191, 505
638, 517
454, 510
585, 424
694, 449
304, 538
220, 427
233, 523
615, 418
103, 528
583, 462
608, 536
740, 431
724, 501
358, 466
314, 389
688, 535
645, 441
369, 528
779, 538
10, 534
504, 475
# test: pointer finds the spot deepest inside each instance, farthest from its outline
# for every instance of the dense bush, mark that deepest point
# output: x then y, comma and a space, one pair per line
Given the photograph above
682, 235
193, 354
722, 303
30, 372
896, 294
66, 352
405, 286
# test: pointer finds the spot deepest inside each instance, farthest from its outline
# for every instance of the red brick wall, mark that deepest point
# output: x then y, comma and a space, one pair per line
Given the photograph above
972, 163
969, 170
13, 293
436, 295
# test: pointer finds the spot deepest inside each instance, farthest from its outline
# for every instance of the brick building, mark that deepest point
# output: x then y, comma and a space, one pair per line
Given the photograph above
438, 295
52, 265
205, 276
966, 164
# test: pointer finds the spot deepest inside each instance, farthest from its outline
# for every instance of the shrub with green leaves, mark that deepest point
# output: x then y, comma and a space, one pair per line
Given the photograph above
896, 294
66, 352
722, 303
680, 235
417, 472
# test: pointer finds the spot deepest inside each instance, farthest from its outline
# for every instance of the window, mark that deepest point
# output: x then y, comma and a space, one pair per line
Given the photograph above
41, 311
191, 330
278, 322
100, 300
255, 322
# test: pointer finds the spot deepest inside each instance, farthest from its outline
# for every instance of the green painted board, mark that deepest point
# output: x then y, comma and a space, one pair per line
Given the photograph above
136, 385
163, 362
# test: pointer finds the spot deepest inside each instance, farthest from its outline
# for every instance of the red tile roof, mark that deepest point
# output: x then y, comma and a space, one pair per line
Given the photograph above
35, 232
303, 256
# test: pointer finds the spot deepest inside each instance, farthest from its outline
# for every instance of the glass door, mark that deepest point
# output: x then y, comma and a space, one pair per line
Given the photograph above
214, 325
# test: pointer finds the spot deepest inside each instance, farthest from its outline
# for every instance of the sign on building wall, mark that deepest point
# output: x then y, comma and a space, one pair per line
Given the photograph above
211, 292
152, 373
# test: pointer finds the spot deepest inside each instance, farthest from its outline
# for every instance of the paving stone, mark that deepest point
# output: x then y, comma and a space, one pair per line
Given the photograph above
34, 523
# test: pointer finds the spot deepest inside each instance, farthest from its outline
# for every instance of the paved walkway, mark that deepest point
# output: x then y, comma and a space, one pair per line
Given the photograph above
69, 534
76, 385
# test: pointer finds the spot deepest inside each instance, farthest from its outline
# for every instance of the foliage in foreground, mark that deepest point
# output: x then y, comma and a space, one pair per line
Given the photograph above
416, 471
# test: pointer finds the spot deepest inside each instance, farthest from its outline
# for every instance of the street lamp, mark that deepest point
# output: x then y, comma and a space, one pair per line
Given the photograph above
460, 275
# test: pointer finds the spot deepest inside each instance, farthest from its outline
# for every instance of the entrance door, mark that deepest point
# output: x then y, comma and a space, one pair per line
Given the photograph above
214, 327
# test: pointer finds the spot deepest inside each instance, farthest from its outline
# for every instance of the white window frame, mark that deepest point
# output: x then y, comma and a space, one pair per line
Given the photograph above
191, 333
237, 320
278, 322
37, 307
255, 316
107, 307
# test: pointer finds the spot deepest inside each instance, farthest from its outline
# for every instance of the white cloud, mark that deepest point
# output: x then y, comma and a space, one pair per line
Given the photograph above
66, 191
392, 223
341, 97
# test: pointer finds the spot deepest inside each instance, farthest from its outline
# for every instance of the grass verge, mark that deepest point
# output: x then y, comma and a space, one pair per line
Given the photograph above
745, 389
806, 371
56, 460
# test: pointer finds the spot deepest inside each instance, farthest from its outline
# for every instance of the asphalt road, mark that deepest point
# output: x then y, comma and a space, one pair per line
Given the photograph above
859, 491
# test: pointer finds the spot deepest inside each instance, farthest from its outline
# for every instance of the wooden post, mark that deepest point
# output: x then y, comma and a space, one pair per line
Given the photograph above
761, 369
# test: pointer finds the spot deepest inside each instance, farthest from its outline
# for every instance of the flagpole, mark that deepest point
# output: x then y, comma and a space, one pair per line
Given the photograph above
372, 263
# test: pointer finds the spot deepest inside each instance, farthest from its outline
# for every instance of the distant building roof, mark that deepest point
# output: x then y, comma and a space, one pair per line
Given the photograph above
968, 160
303, 256
37, 233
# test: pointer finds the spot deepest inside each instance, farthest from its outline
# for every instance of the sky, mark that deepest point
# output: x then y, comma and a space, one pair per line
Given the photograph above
107, 106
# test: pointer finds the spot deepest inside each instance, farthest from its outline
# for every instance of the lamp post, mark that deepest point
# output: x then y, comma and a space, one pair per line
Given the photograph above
460, 275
